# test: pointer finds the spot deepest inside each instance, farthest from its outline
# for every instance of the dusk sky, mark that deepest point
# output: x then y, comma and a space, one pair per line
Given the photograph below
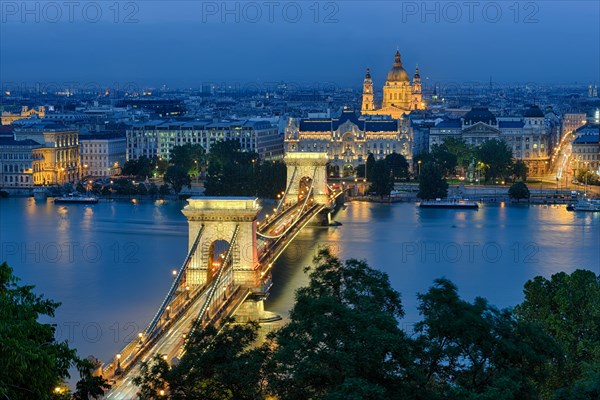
186, 43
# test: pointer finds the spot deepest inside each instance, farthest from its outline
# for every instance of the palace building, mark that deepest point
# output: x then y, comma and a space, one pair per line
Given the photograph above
400, 96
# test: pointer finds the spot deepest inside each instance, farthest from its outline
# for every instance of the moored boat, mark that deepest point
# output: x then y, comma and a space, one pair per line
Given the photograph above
75, 198
449, 203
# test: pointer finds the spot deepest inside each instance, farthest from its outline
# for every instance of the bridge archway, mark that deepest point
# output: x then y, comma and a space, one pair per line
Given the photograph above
301, 165
304, 188
216, 254
219, 217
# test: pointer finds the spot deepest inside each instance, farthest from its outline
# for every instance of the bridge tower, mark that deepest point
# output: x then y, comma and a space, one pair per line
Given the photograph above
218, 217
303, 166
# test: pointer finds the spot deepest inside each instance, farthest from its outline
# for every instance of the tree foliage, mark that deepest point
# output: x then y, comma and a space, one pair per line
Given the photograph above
343, 339
568, 308
496, 159
218, 365
178, 178
432, 184
189, 156
382, 180
32, 362
370, 164
518, 191
398, 165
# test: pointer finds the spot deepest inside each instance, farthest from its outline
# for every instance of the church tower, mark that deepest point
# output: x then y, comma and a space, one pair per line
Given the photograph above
417, 94
367, 95
397, 91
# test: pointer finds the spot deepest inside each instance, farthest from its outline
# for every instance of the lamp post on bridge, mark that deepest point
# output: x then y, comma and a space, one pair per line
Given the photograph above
118, 370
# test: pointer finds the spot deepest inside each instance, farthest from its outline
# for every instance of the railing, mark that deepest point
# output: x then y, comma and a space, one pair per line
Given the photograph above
227, 261
175, 284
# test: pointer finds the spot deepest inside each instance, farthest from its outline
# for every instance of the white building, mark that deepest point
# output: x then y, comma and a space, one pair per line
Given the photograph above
157, 138
102, 154
16, 162
528, 136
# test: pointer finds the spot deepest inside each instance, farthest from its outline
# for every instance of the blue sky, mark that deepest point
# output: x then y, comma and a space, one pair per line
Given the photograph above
186, 43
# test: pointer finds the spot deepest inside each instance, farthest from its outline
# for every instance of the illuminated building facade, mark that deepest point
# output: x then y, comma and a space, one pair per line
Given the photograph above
102, 154
8, 118
57, 160
157, 138
348, 140
527, 136
16, 162
400, 96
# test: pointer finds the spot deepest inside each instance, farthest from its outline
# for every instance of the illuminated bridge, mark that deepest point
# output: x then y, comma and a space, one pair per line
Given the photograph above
227, 270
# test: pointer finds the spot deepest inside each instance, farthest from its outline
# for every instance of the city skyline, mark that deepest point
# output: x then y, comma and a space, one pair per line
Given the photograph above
189, 43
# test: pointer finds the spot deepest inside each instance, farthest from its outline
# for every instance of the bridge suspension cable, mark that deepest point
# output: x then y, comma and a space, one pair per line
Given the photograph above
175, 284
297, 216
287, 189
227, 261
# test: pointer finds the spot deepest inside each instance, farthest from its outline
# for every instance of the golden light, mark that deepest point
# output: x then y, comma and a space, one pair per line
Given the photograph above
174, 272
164, 357
57, 389
161, 393
119, 356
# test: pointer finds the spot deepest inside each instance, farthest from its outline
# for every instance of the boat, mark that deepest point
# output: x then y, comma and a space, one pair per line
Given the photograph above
585, 206
76, 198
449, 203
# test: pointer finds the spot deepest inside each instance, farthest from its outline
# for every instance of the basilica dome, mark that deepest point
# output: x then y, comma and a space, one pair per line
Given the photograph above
397, 74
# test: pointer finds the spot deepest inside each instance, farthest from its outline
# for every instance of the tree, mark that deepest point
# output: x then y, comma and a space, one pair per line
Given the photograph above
370, 166
177, 177
188, 156
382, 181
271, 179
164, 190
445, 160
89, 386
33, 362
140, 168
343, 339
496, 158
520, 170
475, 351
141, 189
219, 364
518, 191
80, 188
153, 190
568, 309
431, 182
398, 165
463, 152
231, 171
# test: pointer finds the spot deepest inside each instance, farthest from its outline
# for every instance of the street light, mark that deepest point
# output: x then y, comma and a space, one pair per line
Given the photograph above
118, 369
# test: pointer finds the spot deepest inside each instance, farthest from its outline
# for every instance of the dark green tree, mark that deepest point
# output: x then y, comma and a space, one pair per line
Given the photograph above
463, 152
219, 364
343, 339
177, 177
445, 160
164, 190
370, 166
270, 178
568, 309
520, 170
80, 188
475, 351
496, 158
141, 189
188, 156
382, 182
140, 168
432, 184
153, 190
89, 386
231, 171
398, 165
32, 362
518, 191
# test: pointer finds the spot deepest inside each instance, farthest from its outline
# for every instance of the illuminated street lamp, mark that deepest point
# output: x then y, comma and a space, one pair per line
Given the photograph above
118, 369
168, 317
174, 272
187, 292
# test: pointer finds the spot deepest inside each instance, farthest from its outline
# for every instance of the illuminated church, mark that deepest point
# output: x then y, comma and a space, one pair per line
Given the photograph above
399, 95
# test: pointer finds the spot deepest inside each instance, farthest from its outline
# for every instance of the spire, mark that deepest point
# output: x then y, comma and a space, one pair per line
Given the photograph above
368, 74
397, 61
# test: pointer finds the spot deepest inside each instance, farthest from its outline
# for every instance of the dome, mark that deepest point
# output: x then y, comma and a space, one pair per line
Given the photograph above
397, 73
480, 114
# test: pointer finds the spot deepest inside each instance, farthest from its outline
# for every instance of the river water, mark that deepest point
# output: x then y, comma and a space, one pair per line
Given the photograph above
110, 264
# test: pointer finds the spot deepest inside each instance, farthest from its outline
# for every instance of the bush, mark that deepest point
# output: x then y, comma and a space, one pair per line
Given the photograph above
519, 191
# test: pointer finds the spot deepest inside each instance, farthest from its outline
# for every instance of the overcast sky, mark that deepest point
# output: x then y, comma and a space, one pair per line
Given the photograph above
187, 43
